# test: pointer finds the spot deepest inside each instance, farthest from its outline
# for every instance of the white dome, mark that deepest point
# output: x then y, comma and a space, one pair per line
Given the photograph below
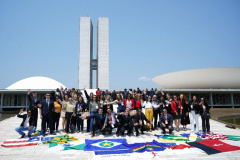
36, 83
215, 78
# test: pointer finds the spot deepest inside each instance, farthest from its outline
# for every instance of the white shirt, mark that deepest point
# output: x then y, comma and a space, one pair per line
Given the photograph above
129, 104
26, 122
147, 104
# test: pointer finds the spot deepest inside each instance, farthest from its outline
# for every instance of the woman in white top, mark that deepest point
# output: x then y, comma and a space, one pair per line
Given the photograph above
148, 111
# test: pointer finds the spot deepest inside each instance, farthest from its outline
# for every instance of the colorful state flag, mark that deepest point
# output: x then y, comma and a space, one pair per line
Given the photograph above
61, 139
172, 138
18, 143
148, 146
193, 136
37, 139
233, 138
103, 146
212, 146
181, 146
77, 145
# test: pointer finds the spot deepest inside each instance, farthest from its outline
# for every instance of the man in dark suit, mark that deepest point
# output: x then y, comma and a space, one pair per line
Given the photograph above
47, 109
111, 121
139, 122
166, 121
126, 123
33, 105
27, 123
98, 123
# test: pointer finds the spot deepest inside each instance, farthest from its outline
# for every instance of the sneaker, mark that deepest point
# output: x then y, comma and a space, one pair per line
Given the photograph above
23, 136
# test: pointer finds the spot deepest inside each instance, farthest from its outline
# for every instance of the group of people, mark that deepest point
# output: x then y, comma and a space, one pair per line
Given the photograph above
161, 111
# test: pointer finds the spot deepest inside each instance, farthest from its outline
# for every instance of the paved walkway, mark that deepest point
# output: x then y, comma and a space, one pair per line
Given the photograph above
41, 151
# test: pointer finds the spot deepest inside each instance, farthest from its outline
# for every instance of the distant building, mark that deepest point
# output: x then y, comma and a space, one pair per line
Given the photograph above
15, 96
86, 62
220, 86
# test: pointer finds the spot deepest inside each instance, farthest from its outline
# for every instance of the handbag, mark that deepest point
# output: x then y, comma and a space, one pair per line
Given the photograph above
206, 115
85, 114
133, 112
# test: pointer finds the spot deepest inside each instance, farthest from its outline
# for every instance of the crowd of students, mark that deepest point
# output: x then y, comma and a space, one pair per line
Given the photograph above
161, 111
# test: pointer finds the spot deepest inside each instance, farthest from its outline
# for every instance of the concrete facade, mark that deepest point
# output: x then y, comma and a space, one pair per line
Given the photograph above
103, 53
86, 62
85, 52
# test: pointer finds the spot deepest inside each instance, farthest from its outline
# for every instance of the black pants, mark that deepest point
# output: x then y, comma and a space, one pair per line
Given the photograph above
128, 127
97, 127
79, 123
56, 117
68, 116
109, 127
164, 128
142, 128
205, 125
156, 113
35, 115
88, 125
47, 118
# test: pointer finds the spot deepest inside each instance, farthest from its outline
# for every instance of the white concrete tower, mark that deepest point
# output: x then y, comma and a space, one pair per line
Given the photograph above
103, 53
85, 52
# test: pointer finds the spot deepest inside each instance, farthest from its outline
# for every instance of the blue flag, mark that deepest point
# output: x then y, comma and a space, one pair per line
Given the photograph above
102, 146
36, 139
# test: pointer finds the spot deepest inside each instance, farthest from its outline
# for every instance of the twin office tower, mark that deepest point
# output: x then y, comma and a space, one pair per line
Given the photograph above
86, 62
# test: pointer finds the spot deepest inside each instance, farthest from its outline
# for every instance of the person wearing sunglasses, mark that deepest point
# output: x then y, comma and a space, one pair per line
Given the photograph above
111, 121
139, 119
47, 109
166, 122
27, 123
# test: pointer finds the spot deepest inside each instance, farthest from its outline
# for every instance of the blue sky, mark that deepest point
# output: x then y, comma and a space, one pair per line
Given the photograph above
147, 38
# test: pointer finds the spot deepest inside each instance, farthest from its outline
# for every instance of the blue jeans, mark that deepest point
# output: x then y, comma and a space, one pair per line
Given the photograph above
91, 122
20, 130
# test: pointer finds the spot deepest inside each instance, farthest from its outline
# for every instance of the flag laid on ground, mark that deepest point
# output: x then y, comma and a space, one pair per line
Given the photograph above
77, 145
61, 139
37, 139
181, 146
212, 146
193, 136
149, 146
172, 138
18, 143
233, 138
102, 146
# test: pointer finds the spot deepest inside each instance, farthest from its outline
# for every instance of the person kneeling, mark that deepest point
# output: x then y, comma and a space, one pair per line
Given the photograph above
111, 121
99, 121
166, 121
139, 122
125, 123
27, 123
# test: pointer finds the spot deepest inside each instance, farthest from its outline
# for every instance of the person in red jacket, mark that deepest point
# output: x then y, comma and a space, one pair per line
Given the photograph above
138, 102
176, 111
129, 102
98, 92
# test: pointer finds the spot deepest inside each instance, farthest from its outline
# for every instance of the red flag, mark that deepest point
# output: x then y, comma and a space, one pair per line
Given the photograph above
212, 146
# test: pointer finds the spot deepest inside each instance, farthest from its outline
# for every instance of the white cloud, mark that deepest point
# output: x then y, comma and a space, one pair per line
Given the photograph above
143, 78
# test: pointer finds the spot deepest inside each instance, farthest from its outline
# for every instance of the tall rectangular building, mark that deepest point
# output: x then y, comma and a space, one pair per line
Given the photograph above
103, 53
85, 53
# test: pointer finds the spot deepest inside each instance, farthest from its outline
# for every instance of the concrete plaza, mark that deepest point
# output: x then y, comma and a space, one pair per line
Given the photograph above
41, 151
